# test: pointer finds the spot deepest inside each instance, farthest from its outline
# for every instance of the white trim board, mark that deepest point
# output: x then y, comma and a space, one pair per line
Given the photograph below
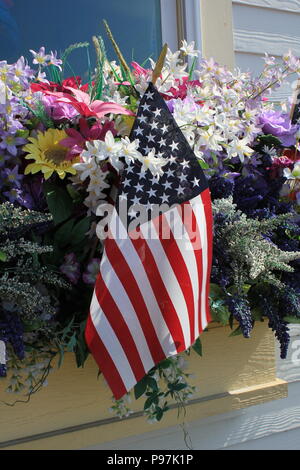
254, 425
258, 42
283, 5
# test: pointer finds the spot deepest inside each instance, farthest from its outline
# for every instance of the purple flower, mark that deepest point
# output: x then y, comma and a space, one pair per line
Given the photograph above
71, 268
12, 177
23, 72
58, 111
53, 60
279, 125
33, 196
40, 58
92, 271
10, 143
13, 195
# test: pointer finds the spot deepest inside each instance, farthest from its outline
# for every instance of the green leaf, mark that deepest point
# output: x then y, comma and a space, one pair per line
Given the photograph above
179, 387
71, 344
165, 364
3, 256
140, 388
220, 312
269, 140
197, 347
291, 319
63, 235
215, 291
32, 326
192, 68
256, 314
152, 384
236, 332
75, 195
203, 164
79, 231
159, 413
149, 402
59, 202
81, 351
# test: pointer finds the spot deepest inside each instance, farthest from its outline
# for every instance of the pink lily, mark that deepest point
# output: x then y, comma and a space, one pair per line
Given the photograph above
138, 70
81, 101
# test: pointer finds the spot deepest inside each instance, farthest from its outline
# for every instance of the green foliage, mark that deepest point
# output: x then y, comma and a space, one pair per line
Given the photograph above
268, 140
69, 50
197, 347
59, 202
254, 258
29, 288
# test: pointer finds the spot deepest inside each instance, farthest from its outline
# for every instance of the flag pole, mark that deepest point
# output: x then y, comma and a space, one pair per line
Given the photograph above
159, 64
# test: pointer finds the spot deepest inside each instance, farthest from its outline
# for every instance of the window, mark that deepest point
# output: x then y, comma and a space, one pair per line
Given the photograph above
29, 24
139, 26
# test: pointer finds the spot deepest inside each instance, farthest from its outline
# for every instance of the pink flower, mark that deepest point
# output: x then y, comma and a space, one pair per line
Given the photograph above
279, 163
181, 88
82, 102
58, 111
138, 70
77, 138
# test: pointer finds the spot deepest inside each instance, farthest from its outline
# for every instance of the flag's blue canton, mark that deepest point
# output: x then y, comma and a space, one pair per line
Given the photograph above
182, 178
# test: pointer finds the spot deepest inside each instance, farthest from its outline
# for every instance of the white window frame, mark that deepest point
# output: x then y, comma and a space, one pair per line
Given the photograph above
169, 23
181, 19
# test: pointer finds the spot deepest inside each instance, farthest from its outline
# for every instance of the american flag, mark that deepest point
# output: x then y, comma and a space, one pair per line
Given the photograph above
150, 300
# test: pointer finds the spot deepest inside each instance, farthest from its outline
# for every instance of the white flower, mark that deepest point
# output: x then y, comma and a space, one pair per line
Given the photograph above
184, 111
204, 114
269, 151
294, 174
130, 149
239, 148
153, 163
189, 49
109, 150
85, 167
98, 183
211, 140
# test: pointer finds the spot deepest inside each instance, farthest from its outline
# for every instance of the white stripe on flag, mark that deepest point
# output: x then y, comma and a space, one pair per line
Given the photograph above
136, 266
111, 343
187, 250
198, 208
170, 282
125, 307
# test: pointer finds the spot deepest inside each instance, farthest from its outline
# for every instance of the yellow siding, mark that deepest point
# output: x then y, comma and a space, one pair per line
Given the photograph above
234, 373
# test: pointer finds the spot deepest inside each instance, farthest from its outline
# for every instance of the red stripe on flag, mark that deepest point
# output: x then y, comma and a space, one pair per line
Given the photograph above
103, 359
129, 283
120, 327
195, 237
206, 199
180, 270
163, 299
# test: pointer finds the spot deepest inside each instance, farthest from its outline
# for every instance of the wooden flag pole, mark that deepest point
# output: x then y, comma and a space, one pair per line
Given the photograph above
159, 64
295, 111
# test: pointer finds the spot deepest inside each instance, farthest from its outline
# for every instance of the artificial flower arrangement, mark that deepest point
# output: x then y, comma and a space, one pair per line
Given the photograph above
63, 146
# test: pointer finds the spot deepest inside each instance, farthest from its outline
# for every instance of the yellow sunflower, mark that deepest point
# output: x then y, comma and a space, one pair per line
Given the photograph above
49, 155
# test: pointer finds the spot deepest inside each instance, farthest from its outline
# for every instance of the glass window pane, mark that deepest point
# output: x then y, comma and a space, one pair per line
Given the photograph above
29, 24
